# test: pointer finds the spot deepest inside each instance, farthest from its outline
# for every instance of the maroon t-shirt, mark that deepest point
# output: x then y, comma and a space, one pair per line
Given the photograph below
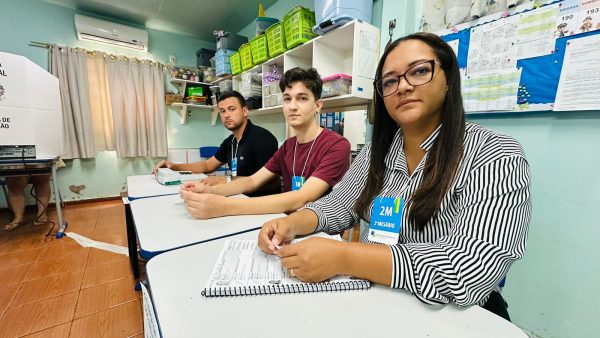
329, 159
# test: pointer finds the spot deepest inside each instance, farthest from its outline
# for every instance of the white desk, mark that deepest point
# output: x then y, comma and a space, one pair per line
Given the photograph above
141, 186
177, 277
163, 224
37, 166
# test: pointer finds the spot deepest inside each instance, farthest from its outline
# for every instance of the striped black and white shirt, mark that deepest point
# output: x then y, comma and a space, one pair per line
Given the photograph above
480, 230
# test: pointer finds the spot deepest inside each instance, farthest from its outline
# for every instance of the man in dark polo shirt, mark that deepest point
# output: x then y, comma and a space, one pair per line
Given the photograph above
245, 151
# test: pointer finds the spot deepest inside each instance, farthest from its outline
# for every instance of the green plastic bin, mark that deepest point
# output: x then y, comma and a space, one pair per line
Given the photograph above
236, 63
298, 24
276, 39
246, 56
260, 52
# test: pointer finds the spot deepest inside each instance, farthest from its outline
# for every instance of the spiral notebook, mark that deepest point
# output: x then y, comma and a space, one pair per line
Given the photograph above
243, 269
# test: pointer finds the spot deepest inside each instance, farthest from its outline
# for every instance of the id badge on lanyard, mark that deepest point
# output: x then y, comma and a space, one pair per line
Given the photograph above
386, 220
297, 182
234, 166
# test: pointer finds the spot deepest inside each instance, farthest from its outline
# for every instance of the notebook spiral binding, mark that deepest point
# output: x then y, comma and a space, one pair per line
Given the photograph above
288, 288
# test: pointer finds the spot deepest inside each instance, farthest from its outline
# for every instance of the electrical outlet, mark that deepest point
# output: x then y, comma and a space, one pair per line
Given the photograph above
172, 59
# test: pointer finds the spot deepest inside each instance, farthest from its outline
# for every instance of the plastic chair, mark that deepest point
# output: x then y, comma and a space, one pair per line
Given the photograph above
208, 152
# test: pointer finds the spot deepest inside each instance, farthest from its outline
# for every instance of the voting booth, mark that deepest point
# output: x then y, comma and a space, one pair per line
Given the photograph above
30, 108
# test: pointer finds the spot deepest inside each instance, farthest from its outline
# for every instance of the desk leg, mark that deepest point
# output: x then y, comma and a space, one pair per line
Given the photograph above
131, 242
61, 225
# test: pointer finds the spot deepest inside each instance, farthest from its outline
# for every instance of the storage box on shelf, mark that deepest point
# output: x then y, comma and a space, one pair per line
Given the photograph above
335, 85
236, 63
222, 62
246, 56
203, 57
186, 73
298, 24
352, 49
276, 39
272, 73
263, 23
260, 52
194, 94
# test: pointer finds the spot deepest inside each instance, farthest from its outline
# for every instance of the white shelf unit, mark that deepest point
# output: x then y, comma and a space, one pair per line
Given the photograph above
352, 49
184, 107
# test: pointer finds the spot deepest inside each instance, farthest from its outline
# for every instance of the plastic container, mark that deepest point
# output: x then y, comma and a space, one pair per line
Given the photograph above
236, 63
260, 52
262, 23
357, 9
246, 56
226, 85
227, 40
297, 25
222, 62
276, 39
203, 56
186, 74
339, 84
254, 102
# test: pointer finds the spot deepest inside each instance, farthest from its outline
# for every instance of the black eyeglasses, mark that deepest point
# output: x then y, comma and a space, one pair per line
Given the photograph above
417, 75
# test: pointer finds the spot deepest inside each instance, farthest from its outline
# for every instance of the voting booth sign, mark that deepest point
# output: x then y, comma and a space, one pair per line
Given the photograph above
30, 106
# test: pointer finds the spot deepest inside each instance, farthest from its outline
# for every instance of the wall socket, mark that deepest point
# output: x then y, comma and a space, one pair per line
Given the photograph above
172, 59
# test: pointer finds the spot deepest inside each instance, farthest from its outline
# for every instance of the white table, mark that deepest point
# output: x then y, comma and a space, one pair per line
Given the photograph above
141, 186
37, 166
176, 279
163, 224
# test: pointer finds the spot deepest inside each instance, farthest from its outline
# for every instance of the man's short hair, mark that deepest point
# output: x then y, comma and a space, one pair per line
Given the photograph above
309, 77
232, 93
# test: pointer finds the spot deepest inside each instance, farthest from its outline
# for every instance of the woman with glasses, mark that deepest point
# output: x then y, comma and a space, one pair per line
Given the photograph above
444, 204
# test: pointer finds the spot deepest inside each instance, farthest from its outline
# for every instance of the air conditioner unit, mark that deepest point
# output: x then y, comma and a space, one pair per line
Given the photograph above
92, 29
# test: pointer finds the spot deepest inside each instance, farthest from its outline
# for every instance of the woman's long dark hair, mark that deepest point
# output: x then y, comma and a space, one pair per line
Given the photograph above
445, 154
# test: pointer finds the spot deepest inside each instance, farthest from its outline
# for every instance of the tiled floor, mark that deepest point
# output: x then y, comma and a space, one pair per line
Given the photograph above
55, 288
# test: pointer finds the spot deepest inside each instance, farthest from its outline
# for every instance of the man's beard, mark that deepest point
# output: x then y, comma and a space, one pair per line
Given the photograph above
235, 127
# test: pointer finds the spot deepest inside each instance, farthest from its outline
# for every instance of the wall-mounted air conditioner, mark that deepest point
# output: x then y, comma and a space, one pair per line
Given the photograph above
112, 33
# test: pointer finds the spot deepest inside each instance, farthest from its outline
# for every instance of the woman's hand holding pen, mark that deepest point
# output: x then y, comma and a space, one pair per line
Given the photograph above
203, 206
313, 259
274, 233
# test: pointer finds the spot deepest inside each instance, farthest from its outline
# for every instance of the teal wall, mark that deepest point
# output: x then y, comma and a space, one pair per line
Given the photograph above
23, 21
552, 291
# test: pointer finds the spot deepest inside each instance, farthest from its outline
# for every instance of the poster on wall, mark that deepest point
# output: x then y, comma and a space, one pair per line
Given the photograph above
589, 16
579, 84
567, 20
535, 36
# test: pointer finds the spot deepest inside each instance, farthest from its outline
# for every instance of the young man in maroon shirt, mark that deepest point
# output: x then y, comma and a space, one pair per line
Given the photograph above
309, 163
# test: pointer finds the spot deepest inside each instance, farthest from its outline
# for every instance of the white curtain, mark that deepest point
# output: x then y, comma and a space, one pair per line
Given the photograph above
70, 66
137, 95
102, 119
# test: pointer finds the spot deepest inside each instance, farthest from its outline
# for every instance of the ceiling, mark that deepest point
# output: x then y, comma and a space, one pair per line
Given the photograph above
197, 18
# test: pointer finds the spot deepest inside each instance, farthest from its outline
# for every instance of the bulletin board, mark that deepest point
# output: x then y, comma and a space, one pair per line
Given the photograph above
537, 57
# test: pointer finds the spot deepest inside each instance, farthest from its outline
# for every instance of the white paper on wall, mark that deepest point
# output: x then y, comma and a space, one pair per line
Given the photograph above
535, 36
567, 19
492, 47
579, 84
494, 91
589, 16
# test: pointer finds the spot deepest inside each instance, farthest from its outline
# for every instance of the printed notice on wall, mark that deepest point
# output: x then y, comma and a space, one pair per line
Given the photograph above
495, 91
492, 47
579, 85
535, 36
589, 16
567, 21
